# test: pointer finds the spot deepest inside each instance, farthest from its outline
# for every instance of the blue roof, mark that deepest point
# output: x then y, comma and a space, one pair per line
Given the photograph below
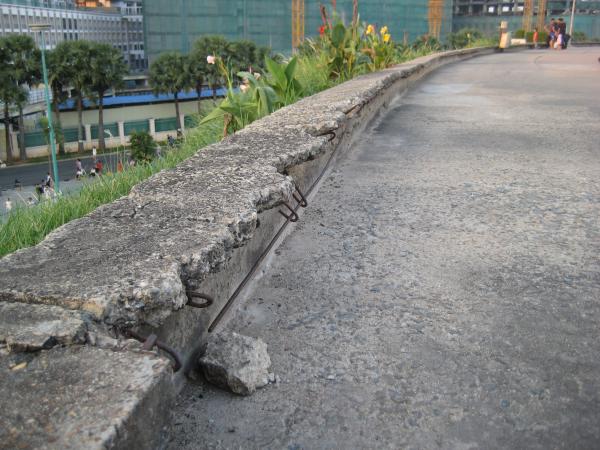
140, 99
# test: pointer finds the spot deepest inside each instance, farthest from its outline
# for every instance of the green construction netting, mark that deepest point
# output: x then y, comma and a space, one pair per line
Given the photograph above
176, 24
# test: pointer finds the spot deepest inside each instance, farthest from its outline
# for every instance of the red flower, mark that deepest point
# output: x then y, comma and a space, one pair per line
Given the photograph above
321, 30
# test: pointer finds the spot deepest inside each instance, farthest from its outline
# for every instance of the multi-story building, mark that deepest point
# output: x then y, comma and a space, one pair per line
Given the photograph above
70, 23
176, 24
133, 31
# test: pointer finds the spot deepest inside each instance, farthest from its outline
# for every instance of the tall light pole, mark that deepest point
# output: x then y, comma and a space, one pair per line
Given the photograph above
572, 19
41, 28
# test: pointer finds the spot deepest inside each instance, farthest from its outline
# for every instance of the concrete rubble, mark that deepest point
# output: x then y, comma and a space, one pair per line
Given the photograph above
237, 363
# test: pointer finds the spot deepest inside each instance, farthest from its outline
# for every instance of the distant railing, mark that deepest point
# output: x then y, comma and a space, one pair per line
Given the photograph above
38, 138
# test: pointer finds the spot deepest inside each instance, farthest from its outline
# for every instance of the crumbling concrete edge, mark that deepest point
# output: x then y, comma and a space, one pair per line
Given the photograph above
342, 111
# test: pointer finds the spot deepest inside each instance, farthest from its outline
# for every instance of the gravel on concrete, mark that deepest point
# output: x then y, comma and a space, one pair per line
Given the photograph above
443, 288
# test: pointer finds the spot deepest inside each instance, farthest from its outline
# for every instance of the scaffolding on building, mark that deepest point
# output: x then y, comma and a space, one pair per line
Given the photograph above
297, 23
435, 16
527, 14
541, 15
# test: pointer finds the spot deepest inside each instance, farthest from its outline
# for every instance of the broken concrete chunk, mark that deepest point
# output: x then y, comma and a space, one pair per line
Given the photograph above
235, 362
29, 328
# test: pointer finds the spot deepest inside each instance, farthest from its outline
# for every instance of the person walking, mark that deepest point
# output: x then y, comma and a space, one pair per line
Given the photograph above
550, 33
78, 169
535, 38
562, 28
48, 182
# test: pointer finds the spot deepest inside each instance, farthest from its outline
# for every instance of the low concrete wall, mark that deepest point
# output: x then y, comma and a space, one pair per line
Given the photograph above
202, 226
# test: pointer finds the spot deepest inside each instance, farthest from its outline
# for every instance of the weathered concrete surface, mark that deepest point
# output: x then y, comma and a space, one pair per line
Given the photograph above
80, 397
138, 255
26, 328
235, 362
442, 290
128, 264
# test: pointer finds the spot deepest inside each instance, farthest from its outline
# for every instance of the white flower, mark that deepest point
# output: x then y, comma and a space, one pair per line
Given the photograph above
257, 75
244, 88
210, 59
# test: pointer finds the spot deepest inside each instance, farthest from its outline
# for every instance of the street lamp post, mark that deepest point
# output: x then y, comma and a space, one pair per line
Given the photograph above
572, 19
41, 28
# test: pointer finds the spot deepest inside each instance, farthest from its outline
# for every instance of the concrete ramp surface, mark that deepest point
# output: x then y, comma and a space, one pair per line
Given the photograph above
442, 290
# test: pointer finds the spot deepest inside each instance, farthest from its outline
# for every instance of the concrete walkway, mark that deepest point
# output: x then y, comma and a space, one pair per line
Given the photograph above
443, 288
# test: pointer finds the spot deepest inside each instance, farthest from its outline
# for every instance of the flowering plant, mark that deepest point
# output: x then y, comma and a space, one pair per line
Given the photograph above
256, 98
379, 47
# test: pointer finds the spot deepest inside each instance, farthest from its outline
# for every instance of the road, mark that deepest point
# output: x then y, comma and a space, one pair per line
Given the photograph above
31, 174
443, 288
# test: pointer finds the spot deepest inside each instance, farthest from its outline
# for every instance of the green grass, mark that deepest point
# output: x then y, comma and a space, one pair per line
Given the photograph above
27, 226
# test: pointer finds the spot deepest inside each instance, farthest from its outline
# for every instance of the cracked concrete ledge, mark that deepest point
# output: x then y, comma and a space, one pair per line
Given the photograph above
129, 264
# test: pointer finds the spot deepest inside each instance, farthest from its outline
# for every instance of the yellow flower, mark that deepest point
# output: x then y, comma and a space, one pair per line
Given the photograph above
386, 38
370, 29
384, 30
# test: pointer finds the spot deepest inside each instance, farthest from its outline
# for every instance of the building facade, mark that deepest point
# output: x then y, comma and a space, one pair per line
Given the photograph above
485, 15
176, 24
123, 30
133, 46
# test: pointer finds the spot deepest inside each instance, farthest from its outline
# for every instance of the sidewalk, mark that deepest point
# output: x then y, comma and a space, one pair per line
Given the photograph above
20, 197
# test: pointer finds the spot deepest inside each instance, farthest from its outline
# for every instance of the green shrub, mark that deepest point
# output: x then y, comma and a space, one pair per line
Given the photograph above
529, 37
143, 147
579, 36
519, 34
464, 38
427, 43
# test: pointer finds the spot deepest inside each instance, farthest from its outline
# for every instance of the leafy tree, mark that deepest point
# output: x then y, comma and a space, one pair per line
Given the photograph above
216, 46
107, 70
243, 56
75, 60
197, 70
26, 71
60, 72
10, 94
142, 146
169, 74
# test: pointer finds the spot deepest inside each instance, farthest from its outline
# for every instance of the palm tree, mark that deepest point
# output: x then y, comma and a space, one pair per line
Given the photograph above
10, 94
169, 74
27, 72
197, 69
80, 78
242, 56
107, 70
14, 71
60, 72
215, 46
